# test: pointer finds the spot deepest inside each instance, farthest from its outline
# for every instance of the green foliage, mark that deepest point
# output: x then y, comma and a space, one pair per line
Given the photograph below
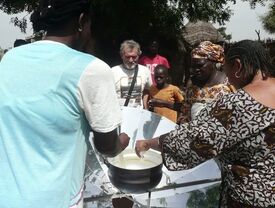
21, 23
144, 14
17, 6
117, 20
268, 20
215, 11
114, 21
222, 31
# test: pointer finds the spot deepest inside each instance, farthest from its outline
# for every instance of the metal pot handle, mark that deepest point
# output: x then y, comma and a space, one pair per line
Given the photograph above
105, 161
168, 179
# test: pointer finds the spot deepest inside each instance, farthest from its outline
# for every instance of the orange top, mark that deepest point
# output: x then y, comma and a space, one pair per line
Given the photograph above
170, 93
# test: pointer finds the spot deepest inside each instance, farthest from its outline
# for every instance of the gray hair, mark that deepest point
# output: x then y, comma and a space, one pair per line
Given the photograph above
131, 44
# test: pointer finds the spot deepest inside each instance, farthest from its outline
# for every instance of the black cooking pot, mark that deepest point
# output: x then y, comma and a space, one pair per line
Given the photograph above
132, 174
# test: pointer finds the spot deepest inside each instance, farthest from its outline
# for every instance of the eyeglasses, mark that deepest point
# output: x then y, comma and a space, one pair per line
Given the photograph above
133, 57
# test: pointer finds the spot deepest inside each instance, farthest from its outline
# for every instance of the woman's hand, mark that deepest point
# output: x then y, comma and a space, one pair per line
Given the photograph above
145, 145
142, 146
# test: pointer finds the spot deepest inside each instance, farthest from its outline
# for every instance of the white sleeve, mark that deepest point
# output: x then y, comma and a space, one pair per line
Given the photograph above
147, 76
150, 82
97, 97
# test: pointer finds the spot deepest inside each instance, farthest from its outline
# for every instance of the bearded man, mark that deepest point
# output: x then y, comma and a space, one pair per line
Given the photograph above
130, 71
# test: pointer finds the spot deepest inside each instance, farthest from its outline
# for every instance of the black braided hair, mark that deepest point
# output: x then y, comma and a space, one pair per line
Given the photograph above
253, 57
51, 14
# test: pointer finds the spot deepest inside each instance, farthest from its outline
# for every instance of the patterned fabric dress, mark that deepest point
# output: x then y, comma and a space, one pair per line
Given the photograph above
195, 94
240, 133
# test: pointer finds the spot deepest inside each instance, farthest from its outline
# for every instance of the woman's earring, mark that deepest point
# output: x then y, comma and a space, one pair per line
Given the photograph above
237, 75
218, 66
79, 29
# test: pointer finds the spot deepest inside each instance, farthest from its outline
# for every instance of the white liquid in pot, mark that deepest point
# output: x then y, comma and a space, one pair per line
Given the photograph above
134, 164
130, 161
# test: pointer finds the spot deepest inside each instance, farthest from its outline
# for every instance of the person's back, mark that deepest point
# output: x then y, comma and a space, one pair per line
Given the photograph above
43, 70
52, 96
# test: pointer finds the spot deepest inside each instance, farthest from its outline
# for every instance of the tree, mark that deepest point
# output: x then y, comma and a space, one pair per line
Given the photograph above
222, 30
268, 20
17, 6
121, 19
151, 13
114, 21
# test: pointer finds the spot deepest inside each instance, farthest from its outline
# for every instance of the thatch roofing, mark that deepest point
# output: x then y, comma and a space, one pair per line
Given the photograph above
196, 32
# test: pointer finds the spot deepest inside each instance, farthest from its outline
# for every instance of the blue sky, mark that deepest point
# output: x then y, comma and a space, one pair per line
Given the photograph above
242, 25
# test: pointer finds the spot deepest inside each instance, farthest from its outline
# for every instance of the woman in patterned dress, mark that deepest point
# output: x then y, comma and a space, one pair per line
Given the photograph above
207, 81
238, 130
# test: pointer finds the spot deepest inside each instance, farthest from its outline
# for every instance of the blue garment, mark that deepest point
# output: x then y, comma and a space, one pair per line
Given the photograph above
42, 127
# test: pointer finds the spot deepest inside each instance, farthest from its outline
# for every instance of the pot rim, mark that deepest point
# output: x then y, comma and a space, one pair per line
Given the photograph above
152, 156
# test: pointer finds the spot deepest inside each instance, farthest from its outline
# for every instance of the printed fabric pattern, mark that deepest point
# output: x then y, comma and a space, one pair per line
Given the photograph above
240, 133
194, 94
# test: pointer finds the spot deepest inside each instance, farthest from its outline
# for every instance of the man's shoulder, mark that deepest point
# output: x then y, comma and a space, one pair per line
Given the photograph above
142, 67
144, 70
158, 56
143, 58
117, 70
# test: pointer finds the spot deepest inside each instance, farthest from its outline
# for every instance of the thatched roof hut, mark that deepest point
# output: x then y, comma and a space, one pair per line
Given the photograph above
196, 32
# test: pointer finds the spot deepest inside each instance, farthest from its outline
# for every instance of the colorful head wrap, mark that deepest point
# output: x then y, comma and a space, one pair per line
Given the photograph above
208, 50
